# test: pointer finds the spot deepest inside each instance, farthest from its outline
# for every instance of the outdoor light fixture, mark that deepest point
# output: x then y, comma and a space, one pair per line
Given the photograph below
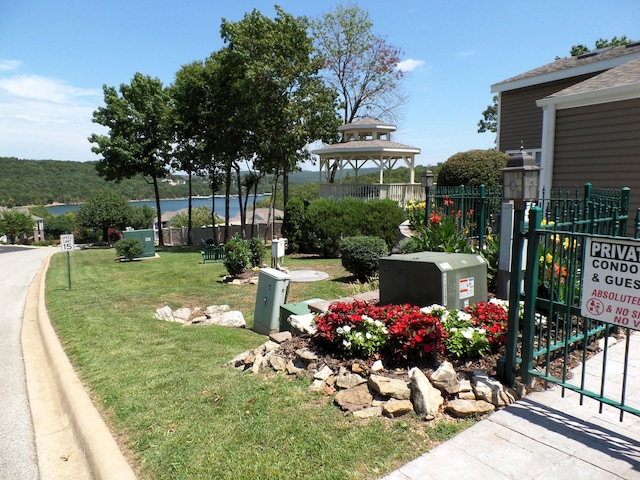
427, 183
427, 179
520, 179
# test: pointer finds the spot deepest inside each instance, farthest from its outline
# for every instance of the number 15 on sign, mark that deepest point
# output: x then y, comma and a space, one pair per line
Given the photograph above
67, 245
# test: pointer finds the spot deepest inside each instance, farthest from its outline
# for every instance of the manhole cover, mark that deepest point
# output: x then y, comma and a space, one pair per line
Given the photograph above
307, 275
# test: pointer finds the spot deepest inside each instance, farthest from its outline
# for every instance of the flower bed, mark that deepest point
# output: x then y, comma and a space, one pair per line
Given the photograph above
406, 332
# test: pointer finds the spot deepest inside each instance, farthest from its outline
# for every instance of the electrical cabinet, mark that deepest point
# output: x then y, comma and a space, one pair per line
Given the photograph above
147, 237
273, 286
453, 280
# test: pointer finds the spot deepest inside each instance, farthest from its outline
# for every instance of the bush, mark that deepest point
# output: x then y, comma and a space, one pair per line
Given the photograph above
360, 255
256, 252
475, 167
236, 255
295, 226
129, 248
329, 221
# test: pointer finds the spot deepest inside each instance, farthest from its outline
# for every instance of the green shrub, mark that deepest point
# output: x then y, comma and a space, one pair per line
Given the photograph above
330, 220
236, 255
256, 252
326, 225
295, 226
475, 167
129, 248
360, 255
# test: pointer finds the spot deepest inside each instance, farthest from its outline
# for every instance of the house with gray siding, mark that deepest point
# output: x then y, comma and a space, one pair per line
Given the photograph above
579, 117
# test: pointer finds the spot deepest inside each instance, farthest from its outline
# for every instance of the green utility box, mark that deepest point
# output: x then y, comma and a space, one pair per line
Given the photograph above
453, 280
147, 238
299, 308
273, 286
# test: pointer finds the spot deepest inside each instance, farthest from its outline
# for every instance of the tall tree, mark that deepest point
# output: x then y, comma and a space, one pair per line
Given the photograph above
138, 141
489, 120
281, 103
360, 65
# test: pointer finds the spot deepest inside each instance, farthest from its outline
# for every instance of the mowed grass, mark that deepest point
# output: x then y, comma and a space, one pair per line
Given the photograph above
176, 411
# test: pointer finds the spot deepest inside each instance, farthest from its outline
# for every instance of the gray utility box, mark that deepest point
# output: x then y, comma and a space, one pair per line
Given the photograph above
147, 237
272, 293
453, 280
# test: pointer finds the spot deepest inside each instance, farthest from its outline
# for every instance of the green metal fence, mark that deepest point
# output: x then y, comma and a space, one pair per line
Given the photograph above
553, 334
476, 207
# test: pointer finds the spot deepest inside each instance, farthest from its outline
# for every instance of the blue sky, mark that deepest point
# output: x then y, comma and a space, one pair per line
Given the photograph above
56, 56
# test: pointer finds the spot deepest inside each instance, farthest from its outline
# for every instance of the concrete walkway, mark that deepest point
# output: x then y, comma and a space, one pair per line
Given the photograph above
546, 436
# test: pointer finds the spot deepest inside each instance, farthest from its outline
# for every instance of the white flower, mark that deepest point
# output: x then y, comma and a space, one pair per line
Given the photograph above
481, 331
467, 333
384, 330
339, 330
463, 316
358, 334
368, 335
346, 328
346, 343
378, 323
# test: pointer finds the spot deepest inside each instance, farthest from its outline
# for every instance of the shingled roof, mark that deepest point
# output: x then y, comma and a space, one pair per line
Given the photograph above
597, 60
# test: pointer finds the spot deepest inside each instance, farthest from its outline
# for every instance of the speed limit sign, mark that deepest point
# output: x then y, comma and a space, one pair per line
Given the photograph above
66, 243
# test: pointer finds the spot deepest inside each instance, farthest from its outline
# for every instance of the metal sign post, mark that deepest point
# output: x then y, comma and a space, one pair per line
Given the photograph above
67, 245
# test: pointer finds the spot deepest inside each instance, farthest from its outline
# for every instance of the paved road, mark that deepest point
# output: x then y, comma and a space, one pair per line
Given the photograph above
18, 459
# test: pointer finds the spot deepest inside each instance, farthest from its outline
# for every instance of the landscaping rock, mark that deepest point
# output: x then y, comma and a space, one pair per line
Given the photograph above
377, 366
304, 324
468, 408
306, 355
182, 315
238, 361
396, 408
390, 387
278, 363
491, 390
165, 314
233, 318
352, 398
349, 380
445, 378
427, 399
280, 337
323, 374
369, 412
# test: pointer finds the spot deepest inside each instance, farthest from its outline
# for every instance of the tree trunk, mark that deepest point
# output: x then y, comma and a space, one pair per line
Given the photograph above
189, 242
156, 190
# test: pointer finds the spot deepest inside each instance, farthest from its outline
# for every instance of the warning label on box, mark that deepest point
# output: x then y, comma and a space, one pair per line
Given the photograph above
465, 287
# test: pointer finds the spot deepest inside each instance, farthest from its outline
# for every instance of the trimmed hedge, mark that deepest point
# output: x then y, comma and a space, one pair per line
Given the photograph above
474, 167
360, 255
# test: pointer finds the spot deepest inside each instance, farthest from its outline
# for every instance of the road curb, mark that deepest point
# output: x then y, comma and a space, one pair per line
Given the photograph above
102, 453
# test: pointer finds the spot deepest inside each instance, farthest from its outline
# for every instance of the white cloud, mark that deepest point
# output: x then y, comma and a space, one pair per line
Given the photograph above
465, 53
8, 65
409, 65
42, 88
46, 118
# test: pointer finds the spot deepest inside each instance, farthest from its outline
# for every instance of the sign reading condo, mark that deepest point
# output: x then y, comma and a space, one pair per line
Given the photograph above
611, 282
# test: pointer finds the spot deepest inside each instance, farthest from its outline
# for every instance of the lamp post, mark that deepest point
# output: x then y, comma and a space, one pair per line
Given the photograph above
427, 182
520, 181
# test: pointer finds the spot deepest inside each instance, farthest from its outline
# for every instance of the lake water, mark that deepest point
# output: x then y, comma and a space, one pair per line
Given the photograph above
173, 205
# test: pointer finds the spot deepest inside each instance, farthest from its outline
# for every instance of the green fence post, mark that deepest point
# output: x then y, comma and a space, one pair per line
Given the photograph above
481, 217
507, 367
531, 292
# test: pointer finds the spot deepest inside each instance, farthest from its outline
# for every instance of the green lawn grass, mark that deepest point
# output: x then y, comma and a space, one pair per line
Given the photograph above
175, 409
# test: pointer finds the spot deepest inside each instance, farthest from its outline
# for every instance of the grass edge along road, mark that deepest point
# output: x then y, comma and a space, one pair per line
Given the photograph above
176, 411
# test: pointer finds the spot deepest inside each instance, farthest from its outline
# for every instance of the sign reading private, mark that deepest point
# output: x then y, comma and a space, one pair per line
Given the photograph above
611, 282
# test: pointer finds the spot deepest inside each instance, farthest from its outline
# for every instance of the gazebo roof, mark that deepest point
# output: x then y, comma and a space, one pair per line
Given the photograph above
366, 149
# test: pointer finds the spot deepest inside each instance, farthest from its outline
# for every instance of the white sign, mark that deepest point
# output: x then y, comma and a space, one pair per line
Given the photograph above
611, 282
466, 287
66, 243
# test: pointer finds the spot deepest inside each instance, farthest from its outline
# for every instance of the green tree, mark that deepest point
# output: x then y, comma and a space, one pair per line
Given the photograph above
105, 209
140, 218
580, 49
473, 167
489, 121
15, 224
56, 225
359, 64
200, 217
283, 104
138, 141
